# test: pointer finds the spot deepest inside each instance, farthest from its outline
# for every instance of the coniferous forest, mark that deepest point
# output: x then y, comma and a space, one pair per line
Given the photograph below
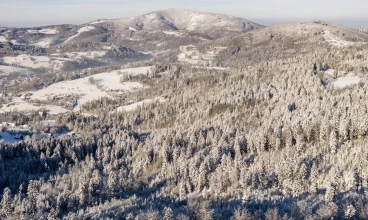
266, 136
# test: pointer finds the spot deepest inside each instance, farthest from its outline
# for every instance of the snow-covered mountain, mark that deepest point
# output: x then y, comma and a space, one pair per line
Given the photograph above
210, 24
284, 40
126, 39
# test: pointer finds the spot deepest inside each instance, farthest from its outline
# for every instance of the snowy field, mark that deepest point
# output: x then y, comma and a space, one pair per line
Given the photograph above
109, 81
195, 20
20, 105
133, 106
11, 69
132, 29
98, 22
175, 33
104, 84
335, 41
187, 57
342, 82
80, 55
7, 137
43, 31
44, 44
81, 87
28, 61
212, 67
42, 61
82, 30
3, 39
135, 71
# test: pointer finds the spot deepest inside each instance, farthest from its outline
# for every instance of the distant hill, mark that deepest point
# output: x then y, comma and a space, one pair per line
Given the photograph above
138, 38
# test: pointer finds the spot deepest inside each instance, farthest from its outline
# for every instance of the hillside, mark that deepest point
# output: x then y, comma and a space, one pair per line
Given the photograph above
212, 25
284, 41
150, 38
145, 36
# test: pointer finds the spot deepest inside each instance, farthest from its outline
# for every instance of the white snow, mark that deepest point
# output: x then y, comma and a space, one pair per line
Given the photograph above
109, 81
11, 69
132, 29
86, 29
135, 71
98, 22
7, 137
57, 63
176, 33
3, 39
20, 105
336, 41
89, 54
342, 82
43, 31
44, 44
32, 31
48, 31
80, 87
15, 42
133, 106
330, 72
82, 30
195, 20
212, 67
28, 61
132, 39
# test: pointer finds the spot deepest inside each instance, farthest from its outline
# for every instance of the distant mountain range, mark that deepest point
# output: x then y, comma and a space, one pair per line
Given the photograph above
107, 42
152, 35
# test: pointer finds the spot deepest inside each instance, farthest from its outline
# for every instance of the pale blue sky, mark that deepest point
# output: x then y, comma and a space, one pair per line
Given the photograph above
26, 13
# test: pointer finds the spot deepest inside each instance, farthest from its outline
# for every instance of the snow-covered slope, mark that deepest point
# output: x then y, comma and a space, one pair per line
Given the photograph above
288, 40
128, 39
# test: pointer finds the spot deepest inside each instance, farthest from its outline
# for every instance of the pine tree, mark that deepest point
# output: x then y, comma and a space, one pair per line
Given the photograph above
6, 202
333, 142
331, 192
112, 183
32, 193
350, 212
314, 179
201, 179
182, 191
168, 214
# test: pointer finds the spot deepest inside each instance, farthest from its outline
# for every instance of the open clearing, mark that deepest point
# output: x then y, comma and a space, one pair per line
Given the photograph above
83, 29
342, 82
133, 106
22, 106
43, 31
3, 39
135, 71
44, 44
7, 137
80, 55
28, 61
335, 41
103, 83
11, 69
98, 22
